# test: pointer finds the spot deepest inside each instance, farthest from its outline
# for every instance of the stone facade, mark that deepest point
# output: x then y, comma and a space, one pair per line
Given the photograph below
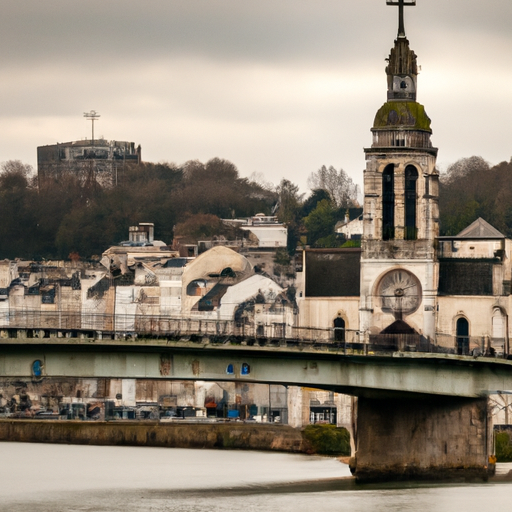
100, 160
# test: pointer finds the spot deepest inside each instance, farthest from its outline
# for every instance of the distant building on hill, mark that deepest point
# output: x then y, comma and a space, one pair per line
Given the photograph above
99, 160
265, 231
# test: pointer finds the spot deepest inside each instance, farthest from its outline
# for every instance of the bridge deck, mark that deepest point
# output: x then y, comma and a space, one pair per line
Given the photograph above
348, 368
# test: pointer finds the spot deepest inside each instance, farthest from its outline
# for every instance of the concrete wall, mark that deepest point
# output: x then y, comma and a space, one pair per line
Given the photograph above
320, 312
423, 439
172, 435
479, 311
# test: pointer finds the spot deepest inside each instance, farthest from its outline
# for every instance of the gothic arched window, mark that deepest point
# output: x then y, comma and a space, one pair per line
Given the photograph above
388, 203
411, 178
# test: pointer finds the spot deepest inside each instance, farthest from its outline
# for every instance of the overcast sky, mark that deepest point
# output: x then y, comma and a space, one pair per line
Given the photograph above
277, 87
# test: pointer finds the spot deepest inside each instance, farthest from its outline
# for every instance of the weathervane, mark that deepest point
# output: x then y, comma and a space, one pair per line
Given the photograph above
92, 116
401, 4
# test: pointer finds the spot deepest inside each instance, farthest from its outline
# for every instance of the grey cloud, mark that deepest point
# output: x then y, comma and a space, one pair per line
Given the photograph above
236, 78
128, 30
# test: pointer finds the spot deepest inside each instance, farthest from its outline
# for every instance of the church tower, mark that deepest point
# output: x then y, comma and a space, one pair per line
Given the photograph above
398, 268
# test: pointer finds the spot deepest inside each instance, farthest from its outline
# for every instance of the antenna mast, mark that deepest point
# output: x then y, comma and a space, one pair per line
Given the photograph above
92, 116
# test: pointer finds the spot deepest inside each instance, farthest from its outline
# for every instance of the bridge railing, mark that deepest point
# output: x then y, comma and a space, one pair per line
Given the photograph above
154, 325
44, 324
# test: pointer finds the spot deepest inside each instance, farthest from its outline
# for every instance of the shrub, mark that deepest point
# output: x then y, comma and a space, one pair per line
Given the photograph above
503, 447
328, 439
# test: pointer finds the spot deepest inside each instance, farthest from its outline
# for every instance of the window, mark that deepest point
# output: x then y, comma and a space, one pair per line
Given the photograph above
462, 336
388, 203
498, 324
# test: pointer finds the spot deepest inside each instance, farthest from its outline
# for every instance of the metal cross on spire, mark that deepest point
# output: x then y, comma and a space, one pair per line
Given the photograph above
401, 4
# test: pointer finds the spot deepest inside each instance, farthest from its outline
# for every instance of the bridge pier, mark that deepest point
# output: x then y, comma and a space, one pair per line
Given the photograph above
432, 439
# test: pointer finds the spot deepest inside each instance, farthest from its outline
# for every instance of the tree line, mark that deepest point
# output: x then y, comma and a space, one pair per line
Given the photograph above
67, 215
472, 188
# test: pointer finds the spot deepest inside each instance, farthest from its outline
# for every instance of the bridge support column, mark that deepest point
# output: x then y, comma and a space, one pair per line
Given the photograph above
442, 438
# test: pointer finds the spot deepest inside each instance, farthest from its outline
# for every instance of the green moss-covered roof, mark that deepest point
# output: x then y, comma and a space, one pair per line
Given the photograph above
402, 114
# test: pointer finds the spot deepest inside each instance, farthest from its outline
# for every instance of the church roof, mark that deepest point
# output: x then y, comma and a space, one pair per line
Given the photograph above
402, 114
480, 229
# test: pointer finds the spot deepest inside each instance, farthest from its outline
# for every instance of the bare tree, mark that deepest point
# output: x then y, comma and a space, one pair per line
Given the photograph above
340, 187
15, 173
463, 168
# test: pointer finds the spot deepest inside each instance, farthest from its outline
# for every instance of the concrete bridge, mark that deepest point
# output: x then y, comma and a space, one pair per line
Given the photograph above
420, 415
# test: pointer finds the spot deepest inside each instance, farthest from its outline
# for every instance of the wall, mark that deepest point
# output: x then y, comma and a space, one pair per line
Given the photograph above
320, 312
173, 435
479, 312
423, 439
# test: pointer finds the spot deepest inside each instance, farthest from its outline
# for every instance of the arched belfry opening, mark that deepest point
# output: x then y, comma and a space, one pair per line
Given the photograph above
411, 180
388, 203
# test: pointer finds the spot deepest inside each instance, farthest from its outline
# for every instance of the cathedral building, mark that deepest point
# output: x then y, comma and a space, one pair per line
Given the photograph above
401, 219
408, 287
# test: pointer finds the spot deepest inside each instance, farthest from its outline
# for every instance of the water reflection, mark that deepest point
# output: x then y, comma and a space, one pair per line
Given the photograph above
55, 478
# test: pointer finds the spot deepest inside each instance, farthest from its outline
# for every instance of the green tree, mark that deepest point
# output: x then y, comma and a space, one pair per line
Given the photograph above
320, 224
470, 189
17, 216
317, 195
289, 211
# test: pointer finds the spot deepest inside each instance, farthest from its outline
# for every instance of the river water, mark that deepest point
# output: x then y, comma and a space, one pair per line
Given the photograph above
44, 477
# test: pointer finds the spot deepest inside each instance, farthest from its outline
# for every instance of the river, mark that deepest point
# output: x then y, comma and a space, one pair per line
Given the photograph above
46, 477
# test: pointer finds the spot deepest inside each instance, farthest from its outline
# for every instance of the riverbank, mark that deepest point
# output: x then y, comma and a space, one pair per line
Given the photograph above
232, 435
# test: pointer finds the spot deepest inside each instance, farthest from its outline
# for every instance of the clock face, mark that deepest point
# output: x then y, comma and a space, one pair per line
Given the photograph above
399, 292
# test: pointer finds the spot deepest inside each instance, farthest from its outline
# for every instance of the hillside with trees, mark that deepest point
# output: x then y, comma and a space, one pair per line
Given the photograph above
70, 216
471, 188
67, 215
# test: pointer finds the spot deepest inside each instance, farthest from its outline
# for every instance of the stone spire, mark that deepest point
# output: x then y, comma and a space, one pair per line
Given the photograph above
402, 71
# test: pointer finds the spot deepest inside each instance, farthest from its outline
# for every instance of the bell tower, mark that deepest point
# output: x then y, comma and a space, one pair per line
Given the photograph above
398, 269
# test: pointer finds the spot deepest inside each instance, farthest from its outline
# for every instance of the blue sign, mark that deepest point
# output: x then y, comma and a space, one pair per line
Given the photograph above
37, 368
230, 370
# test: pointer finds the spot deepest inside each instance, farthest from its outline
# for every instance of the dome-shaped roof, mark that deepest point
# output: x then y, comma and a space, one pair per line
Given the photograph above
214, 262
402, 114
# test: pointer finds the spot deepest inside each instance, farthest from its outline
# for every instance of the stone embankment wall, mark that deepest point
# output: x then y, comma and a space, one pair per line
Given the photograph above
247, 436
